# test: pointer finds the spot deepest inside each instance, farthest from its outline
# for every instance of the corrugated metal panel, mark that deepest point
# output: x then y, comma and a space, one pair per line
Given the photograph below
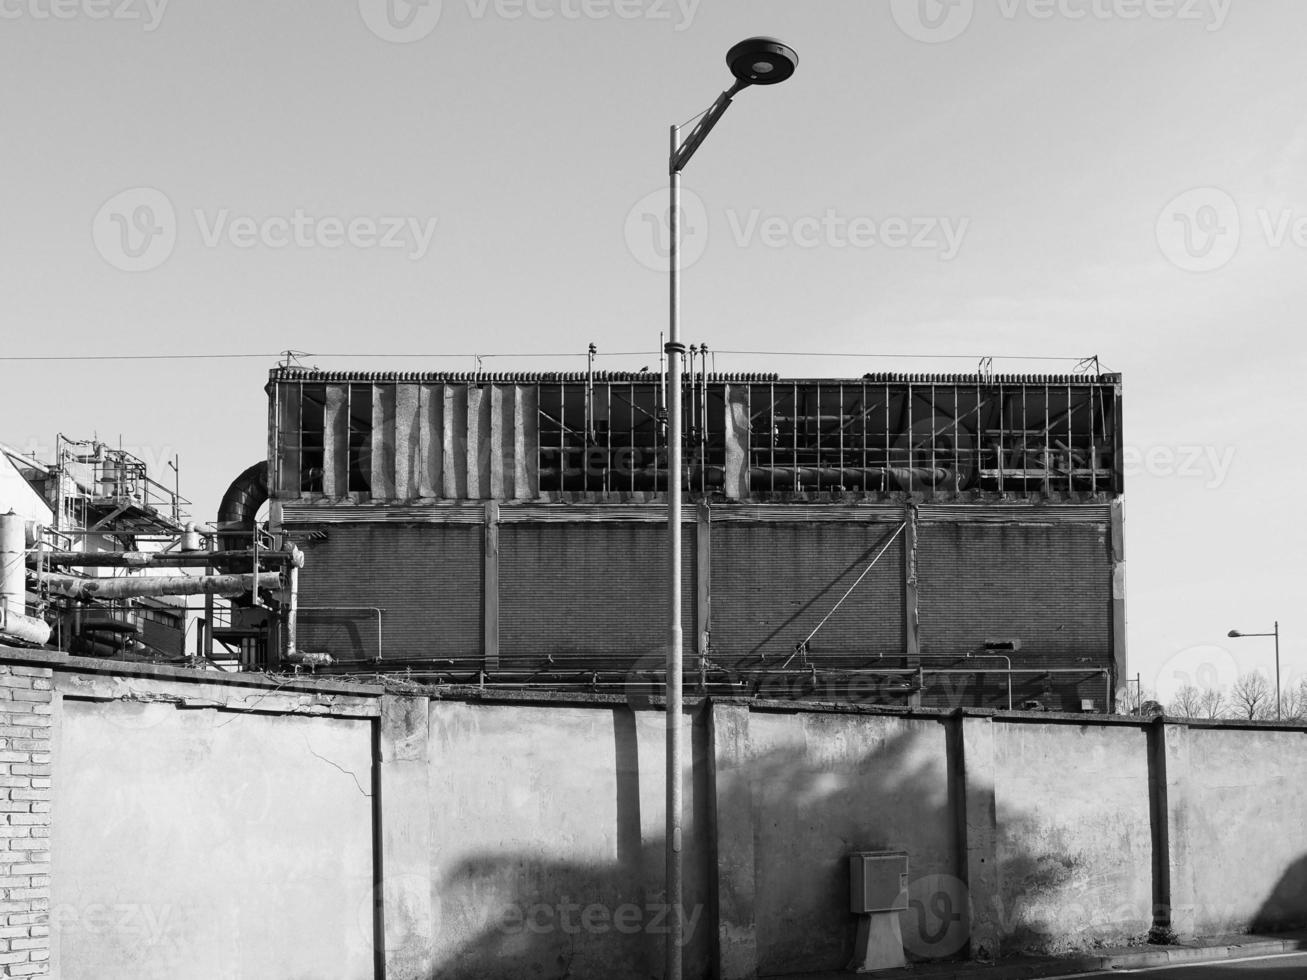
772, 583
294, 515
1049, 587
1019, 513
589, 596
804, 513
555, 377
426, 577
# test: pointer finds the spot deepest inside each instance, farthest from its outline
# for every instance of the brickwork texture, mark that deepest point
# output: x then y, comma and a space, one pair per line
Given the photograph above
26, 704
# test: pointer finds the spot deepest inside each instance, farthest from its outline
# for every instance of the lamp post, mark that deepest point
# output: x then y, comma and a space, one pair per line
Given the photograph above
1235, 634
754, 61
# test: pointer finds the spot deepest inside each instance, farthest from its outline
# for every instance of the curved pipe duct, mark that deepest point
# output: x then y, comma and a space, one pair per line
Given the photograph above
240, 505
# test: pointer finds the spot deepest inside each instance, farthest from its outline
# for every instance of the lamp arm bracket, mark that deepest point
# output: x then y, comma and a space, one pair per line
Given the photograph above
701, 130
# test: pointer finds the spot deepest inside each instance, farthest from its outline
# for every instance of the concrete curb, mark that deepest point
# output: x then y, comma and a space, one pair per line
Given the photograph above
1210, 951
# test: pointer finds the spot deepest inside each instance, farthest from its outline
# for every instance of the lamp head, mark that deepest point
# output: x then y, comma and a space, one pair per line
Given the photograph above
761, 61
1234, 633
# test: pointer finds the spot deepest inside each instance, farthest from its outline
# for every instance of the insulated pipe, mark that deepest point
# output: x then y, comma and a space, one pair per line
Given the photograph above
13, 562
15, 624
155, 559
292, 613
128, 588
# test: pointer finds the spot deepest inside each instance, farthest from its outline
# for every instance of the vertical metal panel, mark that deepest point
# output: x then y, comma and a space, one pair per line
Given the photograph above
526, 443
407, 442
703, 580
490, 615
911, 597
478, 443
454, 442
737, 442
431, 413
383, 442
501, 439
1119, 660
335, 467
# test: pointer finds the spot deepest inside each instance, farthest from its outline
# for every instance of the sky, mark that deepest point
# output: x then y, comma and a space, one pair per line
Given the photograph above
386, 185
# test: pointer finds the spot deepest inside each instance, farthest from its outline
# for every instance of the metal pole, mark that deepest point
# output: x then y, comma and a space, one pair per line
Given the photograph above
1278, 716
674, 349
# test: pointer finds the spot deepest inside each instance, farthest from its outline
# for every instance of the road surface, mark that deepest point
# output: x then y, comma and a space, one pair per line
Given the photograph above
1288, 967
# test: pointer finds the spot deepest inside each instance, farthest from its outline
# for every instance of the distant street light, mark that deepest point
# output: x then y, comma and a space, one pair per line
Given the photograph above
754, 61
1237, 635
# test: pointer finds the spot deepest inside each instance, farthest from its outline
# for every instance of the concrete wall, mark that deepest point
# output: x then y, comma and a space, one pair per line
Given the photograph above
1240, 820
1074, 834
236, 826
557, 871
207, 833
823, 785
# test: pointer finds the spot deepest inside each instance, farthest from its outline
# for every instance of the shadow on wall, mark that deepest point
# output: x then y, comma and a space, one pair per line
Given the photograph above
809, 789
517, 913
1285, 909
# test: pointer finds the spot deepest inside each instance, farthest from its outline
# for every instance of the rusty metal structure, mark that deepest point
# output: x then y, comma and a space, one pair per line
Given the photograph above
888, 533
408, 437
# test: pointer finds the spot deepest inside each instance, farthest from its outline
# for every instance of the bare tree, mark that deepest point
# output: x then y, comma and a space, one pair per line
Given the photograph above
1252, 696
1211, 703
1187, 703
1295, 702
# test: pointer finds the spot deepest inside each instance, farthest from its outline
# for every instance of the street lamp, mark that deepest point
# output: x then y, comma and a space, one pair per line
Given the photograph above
1235, 634
754, 61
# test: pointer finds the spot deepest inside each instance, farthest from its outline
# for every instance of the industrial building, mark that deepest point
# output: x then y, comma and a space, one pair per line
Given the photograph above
100, 559
945, 540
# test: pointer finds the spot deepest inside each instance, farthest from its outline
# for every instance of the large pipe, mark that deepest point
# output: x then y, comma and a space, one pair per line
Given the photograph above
240, 506
134, 587
155, 559
13, 562
292, 611
15, 624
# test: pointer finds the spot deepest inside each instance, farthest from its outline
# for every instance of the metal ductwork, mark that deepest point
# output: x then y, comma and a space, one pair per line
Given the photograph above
240, 507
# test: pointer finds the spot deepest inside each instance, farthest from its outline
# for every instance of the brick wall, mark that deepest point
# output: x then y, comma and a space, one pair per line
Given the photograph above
25, 720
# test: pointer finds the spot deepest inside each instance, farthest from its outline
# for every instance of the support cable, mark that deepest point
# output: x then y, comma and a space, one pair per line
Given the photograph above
802, 646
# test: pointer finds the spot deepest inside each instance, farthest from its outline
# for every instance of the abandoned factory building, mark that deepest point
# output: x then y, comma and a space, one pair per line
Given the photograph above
943, 540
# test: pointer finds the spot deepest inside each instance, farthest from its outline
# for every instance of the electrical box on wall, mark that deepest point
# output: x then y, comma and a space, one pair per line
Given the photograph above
878, 881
